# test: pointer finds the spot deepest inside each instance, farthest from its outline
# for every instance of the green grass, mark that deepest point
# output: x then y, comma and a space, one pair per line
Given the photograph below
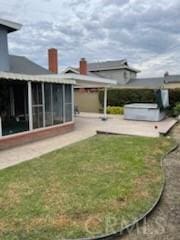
92, 187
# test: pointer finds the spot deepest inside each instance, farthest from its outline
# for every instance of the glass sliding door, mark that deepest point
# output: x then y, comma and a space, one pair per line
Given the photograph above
37, 105
68, 103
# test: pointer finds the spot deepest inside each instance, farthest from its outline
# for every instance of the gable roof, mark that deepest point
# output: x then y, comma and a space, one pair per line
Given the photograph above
103, 66
22, 65
9, 25
70, 70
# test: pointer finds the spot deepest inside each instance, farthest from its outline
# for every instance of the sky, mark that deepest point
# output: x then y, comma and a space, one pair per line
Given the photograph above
145, 32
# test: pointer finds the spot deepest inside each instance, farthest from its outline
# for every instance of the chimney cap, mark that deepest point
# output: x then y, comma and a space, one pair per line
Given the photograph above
52, 49
83, 59
166, 74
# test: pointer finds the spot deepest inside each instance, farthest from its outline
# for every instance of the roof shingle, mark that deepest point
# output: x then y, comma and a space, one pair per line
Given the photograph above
20, 64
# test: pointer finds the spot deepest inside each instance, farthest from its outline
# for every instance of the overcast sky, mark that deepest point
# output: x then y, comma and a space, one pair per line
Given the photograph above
145, 32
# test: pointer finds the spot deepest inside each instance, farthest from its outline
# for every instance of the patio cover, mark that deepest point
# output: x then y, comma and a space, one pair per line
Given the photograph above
86, 81
50, 78
60, 78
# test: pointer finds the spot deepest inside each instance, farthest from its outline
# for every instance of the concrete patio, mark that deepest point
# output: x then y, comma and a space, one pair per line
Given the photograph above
117, 125
87, 125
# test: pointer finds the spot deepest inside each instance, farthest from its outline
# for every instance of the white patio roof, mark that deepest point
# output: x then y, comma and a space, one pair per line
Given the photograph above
81, 80
86, 80
51, 78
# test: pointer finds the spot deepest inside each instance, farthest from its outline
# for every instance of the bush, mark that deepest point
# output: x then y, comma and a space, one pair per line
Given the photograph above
176, 109
115, 110
174, 96
120, 97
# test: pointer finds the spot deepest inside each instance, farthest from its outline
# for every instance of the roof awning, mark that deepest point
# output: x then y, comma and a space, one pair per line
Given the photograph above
75, 79
86, 80
9, 25
49, 78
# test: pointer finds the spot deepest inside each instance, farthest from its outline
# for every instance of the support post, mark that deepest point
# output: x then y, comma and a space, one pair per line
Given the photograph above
12, 104
52, 107
64, 104
72, 95
43, 103
105, 103
30, 106
0, 127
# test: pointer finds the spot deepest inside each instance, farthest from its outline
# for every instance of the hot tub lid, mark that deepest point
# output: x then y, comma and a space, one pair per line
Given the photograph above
142, 105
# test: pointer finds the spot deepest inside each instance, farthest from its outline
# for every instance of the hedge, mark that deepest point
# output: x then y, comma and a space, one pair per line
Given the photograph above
120, 97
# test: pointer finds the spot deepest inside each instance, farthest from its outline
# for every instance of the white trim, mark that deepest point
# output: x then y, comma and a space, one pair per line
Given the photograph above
52, 105
12, 26
70, 69
30, 106
51, 78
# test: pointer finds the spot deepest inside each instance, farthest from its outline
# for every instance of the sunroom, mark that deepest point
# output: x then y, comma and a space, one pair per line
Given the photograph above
32, 102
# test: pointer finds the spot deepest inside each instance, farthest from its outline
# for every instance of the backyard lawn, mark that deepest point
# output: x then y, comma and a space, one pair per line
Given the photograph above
89, 188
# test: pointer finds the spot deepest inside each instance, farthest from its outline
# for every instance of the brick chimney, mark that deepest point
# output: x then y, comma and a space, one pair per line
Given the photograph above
83, 67
53, 60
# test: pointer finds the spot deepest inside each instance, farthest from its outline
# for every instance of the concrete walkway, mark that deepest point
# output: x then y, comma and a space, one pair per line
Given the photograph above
84, 129
164, 223
86, 126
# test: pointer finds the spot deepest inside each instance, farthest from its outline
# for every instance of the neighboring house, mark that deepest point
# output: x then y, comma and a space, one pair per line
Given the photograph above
87, 99
117, 70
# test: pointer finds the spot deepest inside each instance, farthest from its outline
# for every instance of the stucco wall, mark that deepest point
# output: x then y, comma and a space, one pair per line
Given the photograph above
87, 101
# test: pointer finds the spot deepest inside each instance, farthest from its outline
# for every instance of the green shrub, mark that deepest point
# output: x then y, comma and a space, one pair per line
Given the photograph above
115, 110
176, 109
120, 97
174, 96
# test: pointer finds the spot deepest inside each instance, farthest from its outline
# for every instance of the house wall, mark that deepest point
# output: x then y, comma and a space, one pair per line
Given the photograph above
121, 74
87, 101
4, 57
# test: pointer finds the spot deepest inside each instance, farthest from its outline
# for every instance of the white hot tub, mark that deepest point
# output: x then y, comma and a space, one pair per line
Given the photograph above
143, 112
